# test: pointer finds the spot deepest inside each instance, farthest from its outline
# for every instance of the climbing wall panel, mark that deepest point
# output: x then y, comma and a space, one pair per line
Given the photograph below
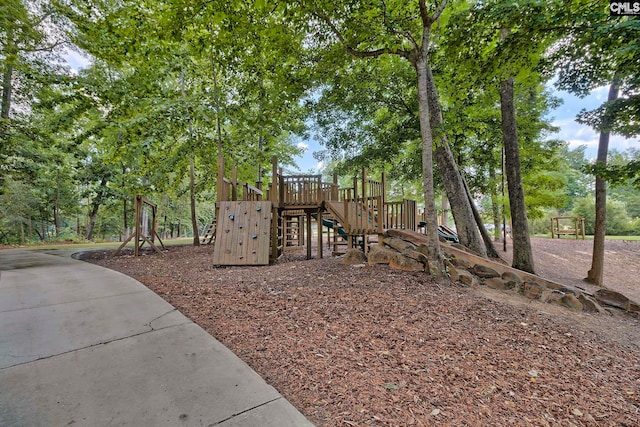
242, 233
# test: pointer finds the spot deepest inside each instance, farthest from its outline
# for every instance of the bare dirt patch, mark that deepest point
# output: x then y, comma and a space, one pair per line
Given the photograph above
373, 346
567, 261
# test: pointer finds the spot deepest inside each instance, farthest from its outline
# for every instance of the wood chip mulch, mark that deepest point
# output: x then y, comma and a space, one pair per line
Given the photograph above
356, 346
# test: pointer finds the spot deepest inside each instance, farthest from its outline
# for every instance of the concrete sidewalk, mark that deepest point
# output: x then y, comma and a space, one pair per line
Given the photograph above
85, 346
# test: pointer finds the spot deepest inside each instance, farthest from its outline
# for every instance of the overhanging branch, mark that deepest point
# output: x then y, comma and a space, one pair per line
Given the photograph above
355, 52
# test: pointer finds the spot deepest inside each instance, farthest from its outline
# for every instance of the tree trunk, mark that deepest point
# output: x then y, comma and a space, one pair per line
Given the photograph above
192, 192
445, 208
595, 274
491, 250
431, 215
495, 207
216, 94
125, 221
522, 254
56, 207
95, 206
9, 52
7, 88
452, 180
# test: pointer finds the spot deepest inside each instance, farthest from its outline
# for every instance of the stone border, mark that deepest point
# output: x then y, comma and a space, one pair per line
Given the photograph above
408, 251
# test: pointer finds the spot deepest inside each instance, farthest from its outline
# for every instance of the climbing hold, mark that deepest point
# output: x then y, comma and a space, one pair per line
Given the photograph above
259, 208
240, 243
231, 217
254, 236
226, 231
240, 227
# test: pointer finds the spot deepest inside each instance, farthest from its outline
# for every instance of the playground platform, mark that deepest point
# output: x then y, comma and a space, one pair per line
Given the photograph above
253, 226
83, 345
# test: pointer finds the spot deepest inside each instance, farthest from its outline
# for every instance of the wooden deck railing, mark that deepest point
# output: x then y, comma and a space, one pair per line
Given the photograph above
362, 215
229, 189
251, 193
301, 190
365, 199
400, 215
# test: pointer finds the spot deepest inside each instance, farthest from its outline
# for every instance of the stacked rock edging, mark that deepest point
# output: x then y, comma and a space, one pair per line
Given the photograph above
407, 251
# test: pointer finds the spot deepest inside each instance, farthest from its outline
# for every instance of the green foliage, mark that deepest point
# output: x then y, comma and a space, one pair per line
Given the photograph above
173, 81
618, 223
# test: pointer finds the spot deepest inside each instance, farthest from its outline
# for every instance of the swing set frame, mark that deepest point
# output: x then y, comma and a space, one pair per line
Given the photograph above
137, 235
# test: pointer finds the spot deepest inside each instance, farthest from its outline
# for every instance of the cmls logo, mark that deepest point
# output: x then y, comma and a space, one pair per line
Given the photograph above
624, 8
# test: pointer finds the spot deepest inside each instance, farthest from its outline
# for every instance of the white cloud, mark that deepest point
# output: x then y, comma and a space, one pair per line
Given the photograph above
601, 93
303, 146
320, 166
576, 135
76, 60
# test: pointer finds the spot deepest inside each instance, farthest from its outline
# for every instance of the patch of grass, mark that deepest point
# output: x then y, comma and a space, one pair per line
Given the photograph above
590, 237
100, 245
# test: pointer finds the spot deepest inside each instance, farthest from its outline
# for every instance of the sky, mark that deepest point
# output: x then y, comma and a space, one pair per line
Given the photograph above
576, 134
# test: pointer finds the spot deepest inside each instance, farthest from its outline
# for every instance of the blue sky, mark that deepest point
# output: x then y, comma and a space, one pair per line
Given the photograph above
577, 134
562, 117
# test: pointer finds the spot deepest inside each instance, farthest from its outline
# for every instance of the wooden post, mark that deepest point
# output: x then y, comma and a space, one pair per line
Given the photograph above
220, 180
380, 211
319, 233
334, 189
552, 228
274, 232
320, 195
136, 246
273, 191
281, 190
308, 234
234, 185
355, 187
384, 189
364, 184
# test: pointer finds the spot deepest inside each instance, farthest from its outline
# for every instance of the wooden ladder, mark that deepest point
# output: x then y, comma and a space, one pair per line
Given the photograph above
210, 234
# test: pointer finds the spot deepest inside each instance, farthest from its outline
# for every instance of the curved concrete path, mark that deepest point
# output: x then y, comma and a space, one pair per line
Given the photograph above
85, 346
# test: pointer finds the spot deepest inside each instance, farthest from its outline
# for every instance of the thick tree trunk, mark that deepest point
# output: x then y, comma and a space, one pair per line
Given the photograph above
445, 209
452, 180
522, 254
93, 214
7, 89
595, 274
92, 220
431, 215
192, 193
216, 94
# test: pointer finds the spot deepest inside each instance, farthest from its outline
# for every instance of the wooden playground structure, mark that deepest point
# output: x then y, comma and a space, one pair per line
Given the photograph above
254, 227
567, 226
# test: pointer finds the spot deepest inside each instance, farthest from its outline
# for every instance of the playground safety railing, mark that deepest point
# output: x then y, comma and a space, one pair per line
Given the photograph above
400, 215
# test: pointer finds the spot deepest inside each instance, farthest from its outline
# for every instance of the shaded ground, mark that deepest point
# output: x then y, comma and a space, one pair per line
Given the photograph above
374, 346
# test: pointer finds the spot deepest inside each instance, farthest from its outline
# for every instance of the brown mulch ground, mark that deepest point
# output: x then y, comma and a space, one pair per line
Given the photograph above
374, 346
